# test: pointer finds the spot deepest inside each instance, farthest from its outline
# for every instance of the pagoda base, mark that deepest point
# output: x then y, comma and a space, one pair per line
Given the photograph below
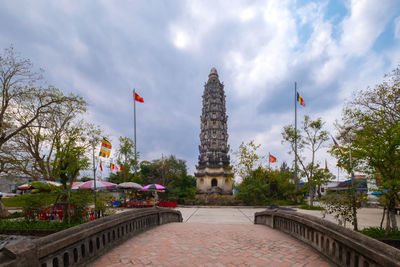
214, 180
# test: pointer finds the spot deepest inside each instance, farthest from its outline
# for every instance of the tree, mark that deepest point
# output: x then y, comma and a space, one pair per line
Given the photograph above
265, 186
321, 177
247, 159
22, 99
311, 136
172, 173
70, 159
126, 159
373, 117
34, 147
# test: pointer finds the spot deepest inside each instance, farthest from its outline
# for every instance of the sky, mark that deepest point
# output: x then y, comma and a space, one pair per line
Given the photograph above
102, 50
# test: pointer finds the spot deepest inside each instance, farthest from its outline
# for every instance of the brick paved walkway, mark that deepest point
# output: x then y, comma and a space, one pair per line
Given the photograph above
196, 244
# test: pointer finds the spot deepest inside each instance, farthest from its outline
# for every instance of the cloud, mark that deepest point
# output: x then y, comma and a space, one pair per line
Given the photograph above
165, 49
366, 22
397, 28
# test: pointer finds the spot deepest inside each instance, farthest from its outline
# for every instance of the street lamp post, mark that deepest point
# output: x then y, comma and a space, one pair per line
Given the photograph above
93, 141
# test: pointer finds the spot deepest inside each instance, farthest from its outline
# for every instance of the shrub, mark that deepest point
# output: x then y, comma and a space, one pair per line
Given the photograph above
377, 232
34, 225
308, 207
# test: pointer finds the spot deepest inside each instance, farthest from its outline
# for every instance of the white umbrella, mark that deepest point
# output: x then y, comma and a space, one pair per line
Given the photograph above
129, 185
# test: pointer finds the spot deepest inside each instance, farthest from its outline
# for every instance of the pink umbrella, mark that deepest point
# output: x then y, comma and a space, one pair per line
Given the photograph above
24, 187
99, 185
153, 187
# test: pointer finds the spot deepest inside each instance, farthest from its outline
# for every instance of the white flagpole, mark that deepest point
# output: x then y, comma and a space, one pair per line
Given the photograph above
134, 118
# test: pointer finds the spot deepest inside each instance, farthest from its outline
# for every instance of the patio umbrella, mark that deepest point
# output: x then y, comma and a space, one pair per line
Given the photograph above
153, 187
24, 187
53, 183
75, 185
99, 185
129, 185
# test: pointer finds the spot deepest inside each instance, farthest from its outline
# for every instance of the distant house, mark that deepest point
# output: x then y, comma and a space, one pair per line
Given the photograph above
10, 183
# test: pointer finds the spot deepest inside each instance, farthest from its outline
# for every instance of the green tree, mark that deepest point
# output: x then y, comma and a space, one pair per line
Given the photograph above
126, 159
311, 136
172, 173
247, 159
321, 177
373, 117
265, 186
70, 159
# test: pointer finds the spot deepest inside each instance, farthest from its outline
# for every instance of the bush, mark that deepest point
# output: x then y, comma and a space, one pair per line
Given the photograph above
20, 201
214, 200
308, 207
378, 233
34, 225
13, 215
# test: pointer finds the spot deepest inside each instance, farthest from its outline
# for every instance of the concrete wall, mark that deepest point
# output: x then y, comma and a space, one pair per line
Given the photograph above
78, 245
342, 246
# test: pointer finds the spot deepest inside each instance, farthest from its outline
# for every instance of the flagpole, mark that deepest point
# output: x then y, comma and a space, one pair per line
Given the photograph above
94, 180
134, 119
295, 132
269, 160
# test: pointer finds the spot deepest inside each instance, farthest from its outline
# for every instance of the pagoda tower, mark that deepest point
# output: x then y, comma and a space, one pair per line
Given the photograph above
214, 173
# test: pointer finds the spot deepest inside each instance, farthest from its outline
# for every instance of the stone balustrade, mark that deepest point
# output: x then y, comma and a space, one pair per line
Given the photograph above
79, 245
342, 246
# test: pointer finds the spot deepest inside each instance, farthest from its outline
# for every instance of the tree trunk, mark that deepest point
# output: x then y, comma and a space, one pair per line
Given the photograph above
383, 217
311, 194
3, 209
387, 221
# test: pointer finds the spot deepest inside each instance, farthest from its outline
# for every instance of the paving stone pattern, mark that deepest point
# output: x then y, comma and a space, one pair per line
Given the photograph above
199, 244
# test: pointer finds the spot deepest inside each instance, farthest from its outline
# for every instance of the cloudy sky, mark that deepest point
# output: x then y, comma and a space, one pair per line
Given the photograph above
101, 50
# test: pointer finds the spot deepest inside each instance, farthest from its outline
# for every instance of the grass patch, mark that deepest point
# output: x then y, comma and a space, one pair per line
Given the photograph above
308, 207
34, 225
377, 233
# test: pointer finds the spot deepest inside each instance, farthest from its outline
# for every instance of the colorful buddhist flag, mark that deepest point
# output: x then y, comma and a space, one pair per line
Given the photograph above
105, 149
138, 98
301, 100
338, 147
272, 159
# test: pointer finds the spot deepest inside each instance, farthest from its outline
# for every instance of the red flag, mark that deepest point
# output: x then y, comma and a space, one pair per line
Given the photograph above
272, 159
121, 168
101, 167
138, 98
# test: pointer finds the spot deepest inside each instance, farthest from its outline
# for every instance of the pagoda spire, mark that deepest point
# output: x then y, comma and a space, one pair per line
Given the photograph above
214, 160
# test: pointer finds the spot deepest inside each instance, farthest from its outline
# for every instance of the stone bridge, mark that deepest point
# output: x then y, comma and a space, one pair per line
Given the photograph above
278, 238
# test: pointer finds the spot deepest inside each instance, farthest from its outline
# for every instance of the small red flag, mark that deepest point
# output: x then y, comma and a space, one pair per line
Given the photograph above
138, 98
101, 167
272, 159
